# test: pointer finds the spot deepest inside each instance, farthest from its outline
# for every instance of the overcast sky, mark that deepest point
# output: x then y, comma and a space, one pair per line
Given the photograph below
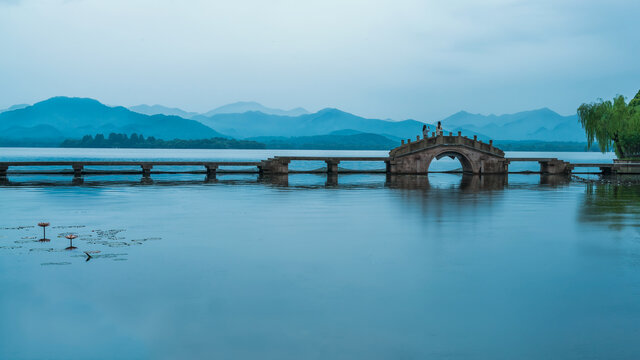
395, 59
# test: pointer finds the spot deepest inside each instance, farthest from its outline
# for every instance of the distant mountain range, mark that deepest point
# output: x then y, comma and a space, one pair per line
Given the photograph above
59, 118
245, 106
254, 123
339, 140
162, 110
62, 118
235, 108
14, 107
542, 124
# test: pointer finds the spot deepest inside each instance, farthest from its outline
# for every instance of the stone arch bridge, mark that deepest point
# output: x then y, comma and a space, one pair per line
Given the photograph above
475, 156
415, 157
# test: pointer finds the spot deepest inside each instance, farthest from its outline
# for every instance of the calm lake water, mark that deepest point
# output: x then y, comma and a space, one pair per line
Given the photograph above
442, 266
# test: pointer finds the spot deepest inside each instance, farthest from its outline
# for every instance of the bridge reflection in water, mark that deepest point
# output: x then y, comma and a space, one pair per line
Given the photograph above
459, 181
468, 182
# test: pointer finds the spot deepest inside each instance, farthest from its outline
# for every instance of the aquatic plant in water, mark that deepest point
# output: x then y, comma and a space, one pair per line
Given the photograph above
44, 225
71, 237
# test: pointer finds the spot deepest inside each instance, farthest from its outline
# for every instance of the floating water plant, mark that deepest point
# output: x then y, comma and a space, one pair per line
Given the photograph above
44, 225
71, 237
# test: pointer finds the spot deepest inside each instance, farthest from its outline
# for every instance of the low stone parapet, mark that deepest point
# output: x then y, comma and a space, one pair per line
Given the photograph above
626, 166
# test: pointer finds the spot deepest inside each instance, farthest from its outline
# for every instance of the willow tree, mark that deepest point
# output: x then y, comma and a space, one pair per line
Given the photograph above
615, 125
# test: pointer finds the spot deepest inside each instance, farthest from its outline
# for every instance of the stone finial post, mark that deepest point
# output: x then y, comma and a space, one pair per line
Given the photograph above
433, 134
491, 142
418, 138
401, 142
459, 133
450, 133
408, 141
475, 137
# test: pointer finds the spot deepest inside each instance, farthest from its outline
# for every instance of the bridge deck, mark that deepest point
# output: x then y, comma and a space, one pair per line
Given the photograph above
79, 167
332, 158
129, 163
606, 165
531, 159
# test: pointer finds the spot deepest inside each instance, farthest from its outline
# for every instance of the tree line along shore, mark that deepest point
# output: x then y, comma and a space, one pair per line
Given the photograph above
116, 140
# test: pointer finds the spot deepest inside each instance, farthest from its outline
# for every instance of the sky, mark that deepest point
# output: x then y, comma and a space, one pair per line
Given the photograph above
388, 59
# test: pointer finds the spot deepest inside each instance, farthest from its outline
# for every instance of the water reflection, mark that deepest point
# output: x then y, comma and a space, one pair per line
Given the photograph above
332, 180
77, 180
462, 182
555, 180
467, 182
277, 180
617, 205
444, 266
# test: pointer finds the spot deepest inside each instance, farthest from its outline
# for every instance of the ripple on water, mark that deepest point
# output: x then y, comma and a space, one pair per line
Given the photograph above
56, 263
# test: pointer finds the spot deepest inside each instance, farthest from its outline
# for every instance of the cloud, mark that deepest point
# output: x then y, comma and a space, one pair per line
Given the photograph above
389, 58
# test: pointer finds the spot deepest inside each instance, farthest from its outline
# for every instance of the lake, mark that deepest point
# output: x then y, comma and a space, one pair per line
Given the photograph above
443, 266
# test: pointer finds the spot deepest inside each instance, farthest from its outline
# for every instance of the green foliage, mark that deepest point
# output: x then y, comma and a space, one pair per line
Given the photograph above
138, 141
614, 125
635, 101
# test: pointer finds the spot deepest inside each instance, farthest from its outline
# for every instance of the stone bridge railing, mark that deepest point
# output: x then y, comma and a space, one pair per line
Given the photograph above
409, 146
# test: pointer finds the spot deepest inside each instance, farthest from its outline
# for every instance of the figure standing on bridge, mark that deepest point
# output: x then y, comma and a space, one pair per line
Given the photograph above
425, 131
439, 129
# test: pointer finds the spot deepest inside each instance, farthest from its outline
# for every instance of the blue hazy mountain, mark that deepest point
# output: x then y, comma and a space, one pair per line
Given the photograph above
59, 118
338, 140
68, 118
542, 124
162, 110
14, 107
254, 124
245, 106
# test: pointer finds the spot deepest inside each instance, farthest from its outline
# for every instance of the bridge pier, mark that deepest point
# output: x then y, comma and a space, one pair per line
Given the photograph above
555, 166
332, 166
211, 170
274, 166
608, 171
146, 170
77, 170
3, 171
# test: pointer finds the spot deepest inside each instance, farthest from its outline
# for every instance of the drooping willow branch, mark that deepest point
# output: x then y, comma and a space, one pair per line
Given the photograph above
614, 125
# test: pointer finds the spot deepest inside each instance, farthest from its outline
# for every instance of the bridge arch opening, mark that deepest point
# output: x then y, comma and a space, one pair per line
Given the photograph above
442, 162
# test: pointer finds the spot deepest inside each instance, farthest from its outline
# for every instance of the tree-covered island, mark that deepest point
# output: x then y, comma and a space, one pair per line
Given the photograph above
139, 141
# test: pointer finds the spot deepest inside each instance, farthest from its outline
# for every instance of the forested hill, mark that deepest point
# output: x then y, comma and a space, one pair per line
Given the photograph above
139, 141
